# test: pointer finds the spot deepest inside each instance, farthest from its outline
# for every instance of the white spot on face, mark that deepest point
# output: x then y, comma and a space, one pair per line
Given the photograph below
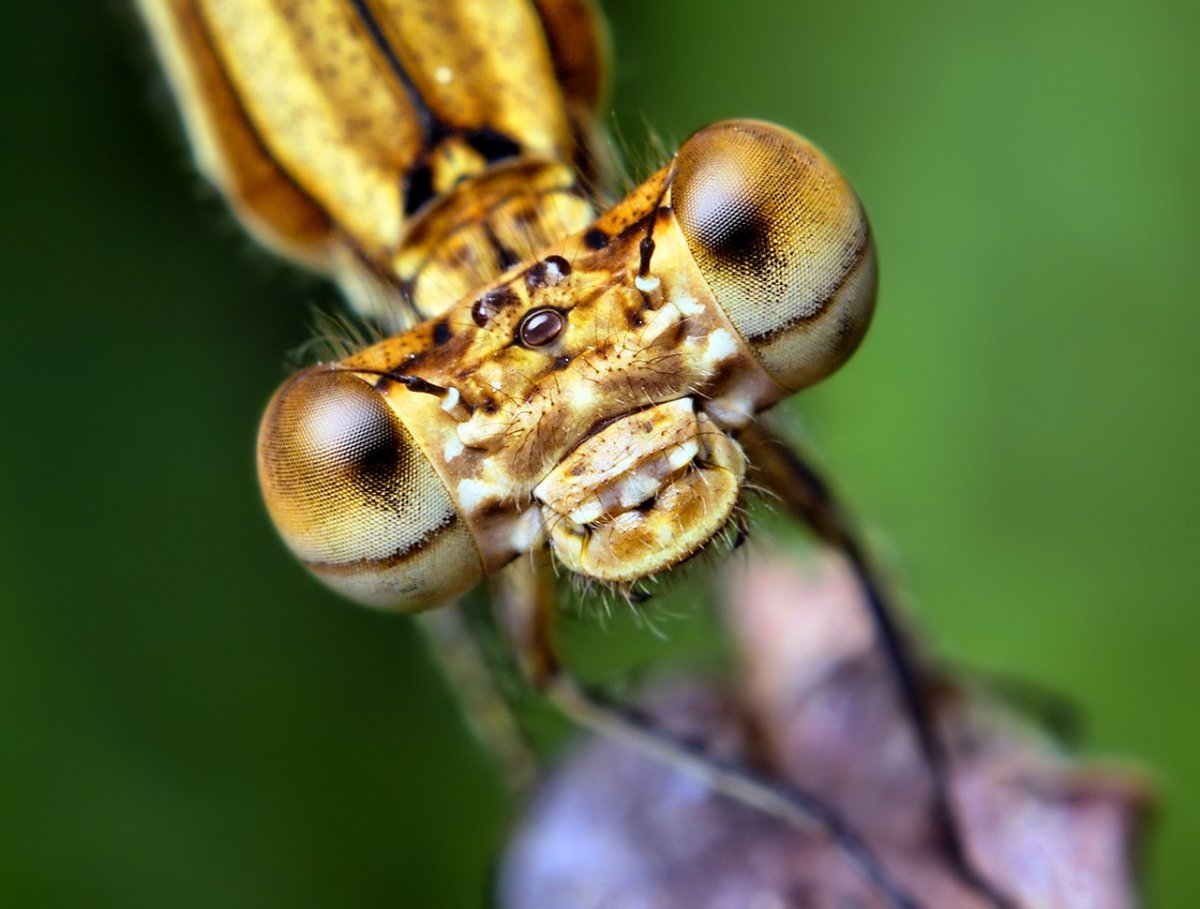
443, 74
730, 411
721, 346
473, 492
450, 401
583, 396
527, 530
647, 284
454, 447
687, 304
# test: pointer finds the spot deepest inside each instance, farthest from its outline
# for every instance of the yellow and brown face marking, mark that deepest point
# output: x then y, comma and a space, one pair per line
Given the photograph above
648, 489
588, 399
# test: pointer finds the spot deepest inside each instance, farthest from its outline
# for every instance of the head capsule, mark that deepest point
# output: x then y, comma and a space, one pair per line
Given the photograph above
782, 242
355, 498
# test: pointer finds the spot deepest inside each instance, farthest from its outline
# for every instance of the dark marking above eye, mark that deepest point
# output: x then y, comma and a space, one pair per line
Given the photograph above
479, 312
540, 327
441, 332
491, 303
548, 272
595, 239
419, 385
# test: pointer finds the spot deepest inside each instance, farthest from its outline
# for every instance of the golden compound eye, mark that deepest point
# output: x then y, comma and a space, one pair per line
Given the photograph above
540, 327
354, 497
781, 240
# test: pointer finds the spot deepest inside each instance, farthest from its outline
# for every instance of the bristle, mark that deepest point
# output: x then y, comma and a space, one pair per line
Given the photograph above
649, 598
335, 336
373, 298
601, 169
639, 155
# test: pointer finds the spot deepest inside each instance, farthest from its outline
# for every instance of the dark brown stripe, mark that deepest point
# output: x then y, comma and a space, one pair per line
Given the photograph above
822, 305
433, 129
351, 242
339, 569
215, 49
505, 257
459, 227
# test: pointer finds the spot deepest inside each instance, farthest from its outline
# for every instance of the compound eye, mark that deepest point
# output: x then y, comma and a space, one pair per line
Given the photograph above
781, 240
354, 497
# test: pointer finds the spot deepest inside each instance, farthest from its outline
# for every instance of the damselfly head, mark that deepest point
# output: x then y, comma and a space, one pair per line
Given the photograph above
589, 399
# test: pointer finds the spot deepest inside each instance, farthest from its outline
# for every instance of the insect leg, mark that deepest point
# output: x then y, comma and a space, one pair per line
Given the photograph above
524, 596
470, 675
789, 476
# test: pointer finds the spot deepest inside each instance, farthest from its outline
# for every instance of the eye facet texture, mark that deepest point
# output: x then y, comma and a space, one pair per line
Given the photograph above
783, 243
355, 498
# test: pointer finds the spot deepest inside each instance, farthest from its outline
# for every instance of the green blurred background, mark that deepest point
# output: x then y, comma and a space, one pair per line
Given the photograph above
185, 719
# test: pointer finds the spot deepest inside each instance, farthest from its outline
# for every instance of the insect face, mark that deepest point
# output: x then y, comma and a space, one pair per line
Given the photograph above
588, 401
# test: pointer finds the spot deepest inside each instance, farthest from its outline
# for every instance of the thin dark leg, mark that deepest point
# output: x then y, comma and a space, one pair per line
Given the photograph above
730, 778
786, 474
526, 604
473, 681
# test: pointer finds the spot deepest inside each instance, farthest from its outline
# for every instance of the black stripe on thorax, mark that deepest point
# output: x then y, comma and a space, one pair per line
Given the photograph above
433, 128
491, 144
